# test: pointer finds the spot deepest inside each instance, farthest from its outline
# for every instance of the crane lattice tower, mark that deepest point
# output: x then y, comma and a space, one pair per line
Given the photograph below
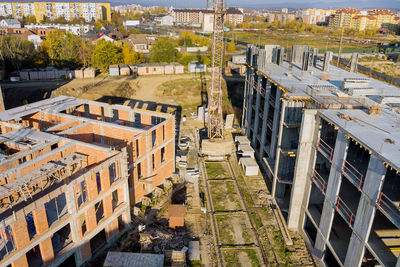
215, 120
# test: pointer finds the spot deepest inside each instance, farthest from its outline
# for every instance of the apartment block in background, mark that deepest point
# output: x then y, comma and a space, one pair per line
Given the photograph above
53, 10
327, 141
70, 171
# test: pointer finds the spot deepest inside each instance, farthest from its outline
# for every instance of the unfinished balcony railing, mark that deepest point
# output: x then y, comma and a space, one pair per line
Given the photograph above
325, 149
345, 211
352, 173
319, 181
386, 205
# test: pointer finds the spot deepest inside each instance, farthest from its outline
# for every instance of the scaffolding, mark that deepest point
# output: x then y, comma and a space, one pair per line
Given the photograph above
23, 188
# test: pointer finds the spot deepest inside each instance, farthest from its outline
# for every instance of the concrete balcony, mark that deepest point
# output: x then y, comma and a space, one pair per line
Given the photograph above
389, 208
320, 182
325, 149
345, 211
352, 173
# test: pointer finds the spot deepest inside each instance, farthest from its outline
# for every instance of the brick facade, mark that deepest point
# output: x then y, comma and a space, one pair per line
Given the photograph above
123, 160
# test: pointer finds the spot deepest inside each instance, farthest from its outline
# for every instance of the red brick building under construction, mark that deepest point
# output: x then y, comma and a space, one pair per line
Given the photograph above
69, 171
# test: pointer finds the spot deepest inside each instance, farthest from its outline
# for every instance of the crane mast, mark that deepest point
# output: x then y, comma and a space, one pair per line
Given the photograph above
215, 120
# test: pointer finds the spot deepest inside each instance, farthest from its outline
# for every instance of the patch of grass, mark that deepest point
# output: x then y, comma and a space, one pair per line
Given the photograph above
231, 257
226, 229
217, 170
224, 196
257, 221
195, 264
278, 237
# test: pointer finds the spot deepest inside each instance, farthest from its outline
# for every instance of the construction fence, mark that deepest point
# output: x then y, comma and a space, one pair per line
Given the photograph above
344, 63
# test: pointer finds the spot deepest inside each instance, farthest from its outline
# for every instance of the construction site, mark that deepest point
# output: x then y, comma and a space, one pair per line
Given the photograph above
71, 170
327, 141
135, 171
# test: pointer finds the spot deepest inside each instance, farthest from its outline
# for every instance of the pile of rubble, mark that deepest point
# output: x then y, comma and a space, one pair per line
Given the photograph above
160, 239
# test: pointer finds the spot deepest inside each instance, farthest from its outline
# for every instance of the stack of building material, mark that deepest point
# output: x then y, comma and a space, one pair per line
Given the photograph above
249, 165
194, 251
24, 75
169, 69
242, 140
33, 75
124, 70
195, 66
89, 73
41, 75
79, 74
178, 68
246, 156
192, 174
245, 150
125, 259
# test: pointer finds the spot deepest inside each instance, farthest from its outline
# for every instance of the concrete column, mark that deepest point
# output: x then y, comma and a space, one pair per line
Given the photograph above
249, 101
264, 117
277, 124
332, 190
305, 161
245, 99
72, 210
2, 108
366, 211
131, 118
257, 118
87, 112
278, 150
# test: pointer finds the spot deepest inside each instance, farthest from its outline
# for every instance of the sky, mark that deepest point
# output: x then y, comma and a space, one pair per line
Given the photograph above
275, 3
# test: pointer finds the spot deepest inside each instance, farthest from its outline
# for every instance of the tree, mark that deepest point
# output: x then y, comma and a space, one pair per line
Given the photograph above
62, 48
185, 41
106, 54
45, 20
85, 53
30, 19
60, 20
231, 46
185, 59
116, 18
130, 56
163, 51
16, 52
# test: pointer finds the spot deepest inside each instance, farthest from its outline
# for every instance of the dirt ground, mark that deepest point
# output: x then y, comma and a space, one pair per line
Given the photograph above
388, 67
143, 88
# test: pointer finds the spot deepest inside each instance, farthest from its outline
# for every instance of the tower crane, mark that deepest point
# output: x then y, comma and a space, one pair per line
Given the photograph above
215, 120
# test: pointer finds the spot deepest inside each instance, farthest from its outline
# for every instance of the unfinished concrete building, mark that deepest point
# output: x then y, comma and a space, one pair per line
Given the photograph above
323, 139
70, 171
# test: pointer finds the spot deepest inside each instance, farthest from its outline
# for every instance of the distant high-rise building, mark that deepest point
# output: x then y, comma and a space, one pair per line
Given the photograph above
283, 17
53, 10
285, 10
363, 20
316, 16
233, 15
343, 17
